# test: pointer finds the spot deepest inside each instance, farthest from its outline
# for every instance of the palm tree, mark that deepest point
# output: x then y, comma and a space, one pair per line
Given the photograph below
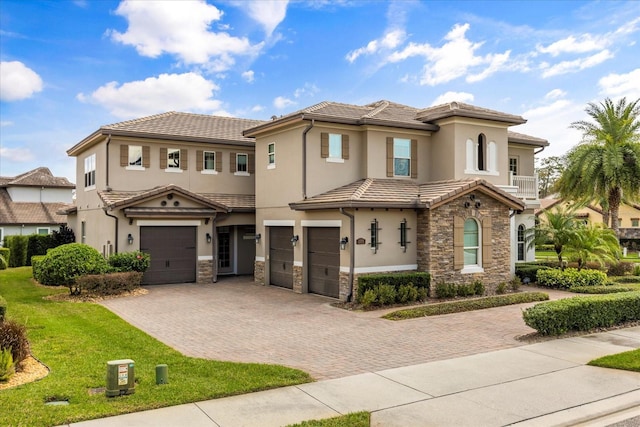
593, 243
607, 162
557, 226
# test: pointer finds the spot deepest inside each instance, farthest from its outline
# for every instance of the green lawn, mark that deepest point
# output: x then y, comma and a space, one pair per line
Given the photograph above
77, 339
629, 361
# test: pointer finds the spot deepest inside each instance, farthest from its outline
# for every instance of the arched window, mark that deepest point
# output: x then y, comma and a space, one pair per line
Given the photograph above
521, 251
471, 242
482, 152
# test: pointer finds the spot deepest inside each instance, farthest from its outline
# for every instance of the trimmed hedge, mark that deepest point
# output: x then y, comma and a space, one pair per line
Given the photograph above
467, 305
62, 265
109, 283
583, 313
38, 244
451, 290
130, 261
36, 262
18, 247
3, 308
605, 289
558, 279
625, 279
417, 279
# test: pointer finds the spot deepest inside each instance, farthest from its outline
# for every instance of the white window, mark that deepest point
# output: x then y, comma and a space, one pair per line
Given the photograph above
271, 153
43, 230
209, 161
481, 156
173, 158
83, 232
135, 155
521, 243
90, 172
401, 157
242, 161
471, 243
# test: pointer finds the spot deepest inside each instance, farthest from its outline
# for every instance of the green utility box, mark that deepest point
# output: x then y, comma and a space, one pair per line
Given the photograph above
120, 377
162, 374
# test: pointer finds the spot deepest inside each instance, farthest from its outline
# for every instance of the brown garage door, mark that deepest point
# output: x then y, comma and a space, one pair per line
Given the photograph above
323, 261
173, 254
281, 256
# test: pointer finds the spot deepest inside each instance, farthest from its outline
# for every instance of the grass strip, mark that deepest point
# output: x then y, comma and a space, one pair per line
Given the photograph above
466, 305
628, 361
75, 340
604, 289
356, 419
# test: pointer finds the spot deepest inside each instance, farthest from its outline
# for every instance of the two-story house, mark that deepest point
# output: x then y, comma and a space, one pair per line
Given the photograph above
29, 203
178, 186
344, 190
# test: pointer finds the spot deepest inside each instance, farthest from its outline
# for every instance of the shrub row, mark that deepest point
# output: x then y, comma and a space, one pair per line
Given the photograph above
451, 290
62, 265
130, 261
386, 294
583, 313
605, 289
109, 283
621, 268
467, 305
626, 279
13, 336
18, 250
417, 279
559, 279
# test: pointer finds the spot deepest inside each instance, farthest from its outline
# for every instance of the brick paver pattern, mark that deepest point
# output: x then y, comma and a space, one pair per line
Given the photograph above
237, 320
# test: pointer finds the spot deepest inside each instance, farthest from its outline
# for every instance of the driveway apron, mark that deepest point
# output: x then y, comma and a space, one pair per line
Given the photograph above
238, 320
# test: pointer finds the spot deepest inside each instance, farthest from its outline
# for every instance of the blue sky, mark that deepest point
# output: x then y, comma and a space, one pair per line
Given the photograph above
68, 67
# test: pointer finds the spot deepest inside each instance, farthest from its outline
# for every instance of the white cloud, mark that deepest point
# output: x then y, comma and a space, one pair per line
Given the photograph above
281, 102
390, 40
4, 123
576, 65
249, 76
582, 44
21, 155
180, 92
269, 13
17, 81
618, 85
257, 108
180, 29
308, 90
453, 96
555, 93
454, 59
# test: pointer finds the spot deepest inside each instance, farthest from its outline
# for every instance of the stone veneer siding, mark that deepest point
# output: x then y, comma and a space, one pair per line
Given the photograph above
435, 242
258, 272
205, 271
297, 279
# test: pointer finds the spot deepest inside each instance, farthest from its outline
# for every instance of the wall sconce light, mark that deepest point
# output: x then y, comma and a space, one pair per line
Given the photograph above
294, 240
130, 239
343, 243
258, 237
208, 238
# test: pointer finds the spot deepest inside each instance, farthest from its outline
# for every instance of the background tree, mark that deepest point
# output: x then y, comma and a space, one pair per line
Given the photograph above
606, 164
549, 170
594, 243
557, 227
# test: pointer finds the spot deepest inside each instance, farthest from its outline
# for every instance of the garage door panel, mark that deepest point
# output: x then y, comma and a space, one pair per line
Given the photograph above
323, 261
281, 257
173, 254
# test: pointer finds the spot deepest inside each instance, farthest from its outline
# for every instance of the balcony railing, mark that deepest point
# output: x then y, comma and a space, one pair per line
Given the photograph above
527, 186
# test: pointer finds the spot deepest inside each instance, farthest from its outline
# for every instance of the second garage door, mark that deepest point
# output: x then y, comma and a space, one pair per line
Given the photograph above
281, 256
323, 261
173, 254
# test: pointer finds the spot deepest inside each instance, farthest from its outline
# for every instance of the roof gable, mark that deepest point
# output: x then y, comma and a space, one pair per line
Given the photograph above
39, 177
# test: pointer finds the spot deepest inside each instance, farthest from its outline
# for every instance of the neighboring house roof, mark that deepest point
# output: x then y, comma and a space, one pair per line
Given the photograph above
396, 193
387, 113
222, 202
176, 126
39, 177
19, 213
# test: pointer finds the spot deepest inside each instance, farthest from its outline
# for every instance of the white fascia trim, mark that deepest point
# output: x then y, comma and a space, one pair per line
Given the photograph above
205, 257
168, 223
321, 223
297, 263
279, 222
260, 259
380, 268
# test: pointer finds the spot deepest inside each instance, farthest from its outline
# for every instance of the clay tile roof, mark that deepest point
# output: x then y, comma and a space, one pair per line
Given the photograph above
12, 213
461, 109
521, 138
398, 193
39, 177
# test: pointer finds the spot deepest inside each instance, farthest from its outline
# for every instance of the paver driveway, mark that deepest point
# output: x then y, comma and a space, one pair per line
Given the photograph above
237, 320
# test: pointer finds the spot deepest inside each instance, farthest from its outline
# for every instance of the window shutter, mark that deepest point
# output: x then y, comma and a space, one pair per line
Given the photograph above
232, 162
219, 161
458, 243
345, 147
124, 155
146, 156
324, 145
414, 158
184, 159
487, 247
163, 158
251, 167
199, 160
389, 156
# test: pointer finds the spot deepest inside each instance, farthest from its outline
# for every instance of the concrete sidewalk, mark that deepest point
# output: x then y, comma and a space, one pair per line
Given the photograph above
542, 384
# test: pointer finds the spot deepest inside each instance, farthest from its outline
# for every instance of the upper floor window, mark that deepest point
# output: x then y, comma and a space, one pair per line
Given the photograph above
241, 162
334, 147
209, 161
134, 157
635, 222
271, 155
90, 171
481, 156
513, 165
401, 157
481, 150
173, 158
